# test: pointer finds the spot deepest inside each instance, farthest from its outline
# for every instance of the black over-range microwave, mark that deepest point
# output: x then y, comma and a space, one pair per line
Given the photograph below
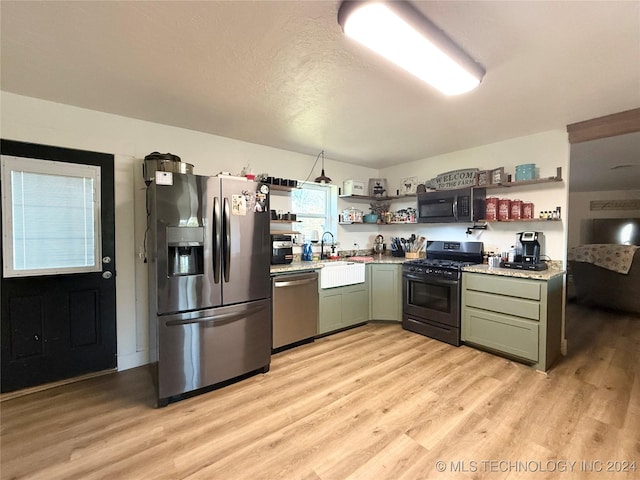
446, 206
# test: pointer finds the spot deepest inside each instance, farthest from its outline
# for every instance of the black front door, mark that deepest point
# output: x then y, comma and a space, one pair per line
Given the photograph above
61, 325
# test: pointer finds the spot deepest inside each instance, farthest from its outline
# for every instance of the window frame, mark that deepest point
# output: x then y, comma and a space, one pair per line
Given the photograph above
331, 206
9, 164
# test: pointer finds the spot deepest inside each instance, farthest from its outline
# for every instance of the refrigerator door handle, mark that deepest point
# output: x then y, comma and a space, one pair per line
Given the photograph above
227, 239
217, 238
218, 320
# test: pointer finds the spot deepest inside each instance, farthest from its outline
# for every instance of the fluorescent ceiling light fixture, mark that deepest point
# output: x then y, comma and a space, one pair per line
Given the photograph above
399, 32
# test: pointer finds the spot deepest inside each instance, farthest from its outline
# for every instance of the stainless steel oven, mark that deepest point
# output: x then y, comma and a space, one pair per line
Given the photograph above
431, 289
432, 302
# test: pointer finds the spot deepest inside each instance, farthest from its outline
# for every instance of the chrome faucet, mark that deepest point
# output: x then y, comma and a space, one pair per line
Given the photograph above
333, 241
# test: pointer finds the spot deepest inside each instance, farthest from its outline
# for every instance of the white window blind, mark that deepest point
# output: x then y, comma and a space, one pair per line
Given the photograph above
51, 217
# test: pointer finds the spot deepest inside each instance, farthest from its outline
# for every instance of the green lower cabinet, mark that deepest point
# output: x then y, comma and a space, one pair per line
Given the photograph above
520, 318
503, 333
342, 307
386, 291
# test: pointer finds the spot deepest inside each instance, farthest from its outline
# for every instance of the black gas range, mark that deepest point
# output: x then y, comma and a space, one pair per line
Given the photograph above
431, 289
437, 268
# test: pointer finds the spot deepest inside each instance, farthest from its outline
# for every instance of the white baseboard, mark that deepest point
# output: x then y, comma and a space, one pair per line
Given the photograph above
132, 360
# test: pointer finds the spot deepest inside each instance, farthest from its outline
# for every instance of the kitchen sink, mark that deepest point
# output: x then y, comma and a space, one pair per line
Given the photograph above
340, 273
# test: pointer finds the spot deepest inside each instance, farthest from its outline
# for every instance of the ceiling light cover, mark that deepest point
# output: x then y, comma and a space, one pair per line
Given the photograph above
400, 33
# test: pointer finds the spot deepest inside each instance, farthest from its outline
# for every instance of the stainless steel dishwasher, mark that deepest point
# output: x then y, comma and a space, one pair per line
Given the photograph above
295, 308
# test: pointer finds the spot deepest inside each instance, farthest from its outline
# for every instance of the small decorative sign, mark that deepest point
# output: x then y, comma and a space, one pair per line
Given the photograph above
377, 187
625, 204
484, 177
497, 176
454, 179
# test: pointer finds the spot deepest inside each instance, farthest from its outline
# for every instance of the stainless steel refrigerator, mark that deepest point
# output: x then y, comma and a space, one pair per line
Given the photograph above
209, 284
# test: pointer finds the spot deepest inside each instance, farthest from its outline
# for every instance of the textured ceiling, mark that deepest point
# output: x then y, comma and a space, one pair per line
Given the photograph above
282, 73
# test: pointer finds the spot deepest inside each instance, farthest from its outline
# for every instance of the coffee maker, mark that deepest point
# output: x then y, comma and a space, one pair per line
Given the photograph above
529, 247
281, 249
528, 258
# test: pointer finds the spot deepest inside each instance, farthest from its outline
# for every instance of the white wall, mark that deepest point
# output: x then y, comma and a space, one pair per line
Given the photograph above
581, 213
33, 120
548, 150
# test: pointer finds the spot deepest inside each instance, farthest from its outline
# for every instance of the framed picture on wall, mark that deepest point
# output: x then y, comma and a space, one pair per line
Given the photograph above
408, 186
497, 176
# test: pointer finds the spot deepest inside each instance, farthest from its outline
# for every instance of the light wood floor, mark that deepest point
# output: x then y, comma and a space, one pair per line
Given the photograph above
372, 403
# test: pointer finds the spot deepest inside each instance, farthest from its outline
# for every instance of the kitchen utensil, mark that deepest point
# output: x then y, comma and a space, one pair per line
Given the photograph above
419, 244
379, 248
163, 162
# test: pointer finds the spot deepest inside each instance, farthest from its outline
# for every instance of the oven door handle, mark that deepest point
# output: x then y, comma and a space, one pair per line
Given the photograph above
422, 279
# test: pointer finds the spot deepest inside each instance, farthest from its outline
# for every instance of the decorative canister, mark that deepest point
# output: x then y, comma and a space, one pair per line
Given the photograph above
526, 171
504, 209
491, 208
516, 209
355, 215
527, 210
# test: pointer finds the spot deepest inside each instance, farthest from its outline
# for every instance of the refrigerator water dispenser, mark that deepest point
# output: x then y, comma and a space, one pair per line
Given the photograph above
185, 251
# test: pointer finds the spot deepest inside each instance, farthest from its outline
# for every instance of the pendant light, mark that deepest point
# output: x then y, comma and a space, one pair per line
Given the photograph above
322, 178
402, 34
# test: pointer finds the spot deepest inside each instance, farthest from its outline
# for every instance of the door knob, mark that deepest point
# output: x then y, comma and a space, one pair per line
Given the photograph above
106, 259
107, 274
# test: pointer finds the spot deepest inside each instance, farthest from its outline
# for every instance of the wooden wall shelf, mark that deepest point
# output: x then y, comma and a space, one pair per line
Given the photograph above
284, 232
281, 188
537, 181
378, 224
522, 220
366, 198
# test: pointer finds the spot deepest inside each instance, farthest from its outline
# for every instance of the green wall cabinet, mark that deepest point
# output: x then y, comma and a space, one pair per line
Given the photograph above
343, 307
517, 317
385, 280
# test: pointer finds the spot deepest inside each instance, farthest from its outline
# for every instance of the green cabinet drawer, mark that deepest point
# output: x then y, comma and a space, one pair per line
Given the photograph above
506, 334
500, 303
511, 286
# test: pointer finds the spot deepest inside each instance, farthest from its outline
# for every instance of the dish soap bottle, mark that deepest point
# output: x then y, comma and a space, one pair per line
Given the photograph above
307, 253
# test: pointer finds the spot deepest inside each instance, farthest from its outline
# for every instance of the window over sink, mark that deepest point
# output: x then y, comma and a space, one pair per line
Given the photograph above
316, 206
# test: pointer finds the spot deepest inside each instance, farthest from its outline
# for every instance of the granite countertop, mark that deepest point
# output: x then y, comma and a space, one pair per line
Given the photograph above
299, 266
555, 269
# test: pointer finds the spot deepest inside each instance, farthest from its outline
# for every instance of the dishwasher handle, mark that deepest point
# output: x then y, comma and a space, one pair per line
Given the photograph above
292, 283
